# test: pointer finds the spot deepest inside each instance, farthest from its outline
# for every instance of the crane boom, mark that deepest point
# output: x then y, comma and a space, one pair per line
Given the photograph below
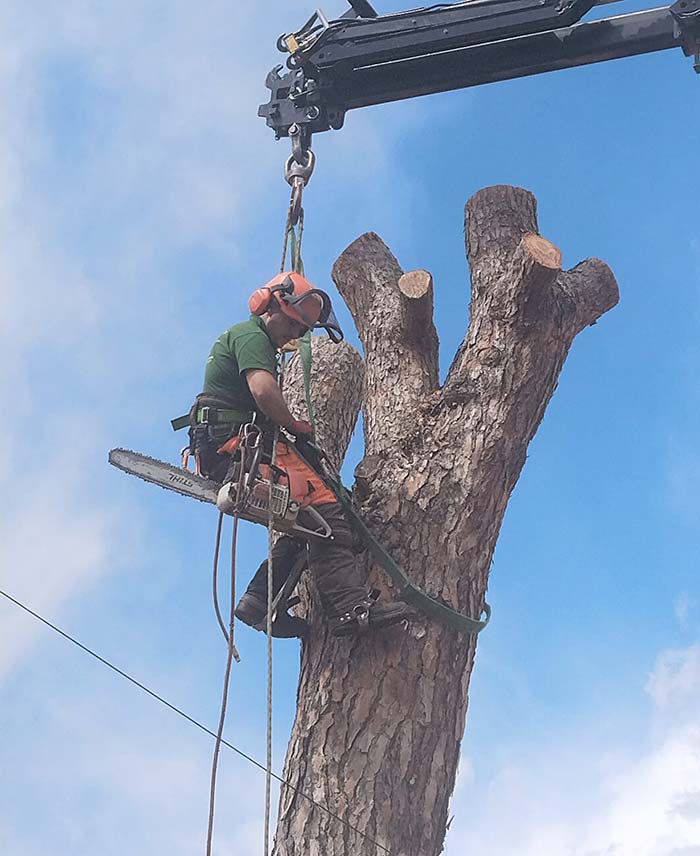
364, 58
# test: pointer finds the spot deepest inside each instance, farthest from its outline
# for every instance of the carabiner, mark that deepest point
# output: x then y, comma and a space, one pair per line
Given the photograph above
250, 435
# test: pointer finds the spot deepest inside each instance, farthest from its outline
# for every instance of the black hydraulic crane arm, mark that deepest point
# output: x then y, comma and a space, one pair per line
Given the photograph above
363, 58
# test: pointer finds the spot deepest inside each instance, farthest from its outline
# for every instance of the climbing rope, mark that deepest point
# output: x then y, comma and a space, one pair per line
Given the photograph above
270, 598
224, 695
232, 651
270, 601
215, 587
217, 548
215, 577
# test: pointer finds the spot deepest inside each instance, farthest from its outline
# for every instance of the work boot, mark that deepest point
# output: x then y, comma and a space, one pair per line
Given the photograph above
252, 610
369, 615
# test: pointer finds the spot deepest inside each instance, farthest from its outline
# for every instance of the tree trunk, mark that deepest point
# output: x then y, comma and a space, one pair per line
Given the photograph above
380, 718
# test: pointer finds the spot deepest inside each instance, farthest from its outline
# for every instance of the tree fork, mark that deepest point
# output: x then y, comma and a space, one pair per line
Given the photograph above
380, 719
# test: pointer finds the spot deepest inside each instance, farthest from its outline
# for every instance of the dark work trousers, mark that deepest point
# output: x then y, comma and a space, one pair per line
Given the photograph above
333, 564
285, 553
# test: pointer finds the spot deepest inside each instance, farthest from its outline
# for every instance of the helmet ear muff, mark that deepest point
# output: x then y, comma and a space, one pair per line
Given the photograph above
259, 300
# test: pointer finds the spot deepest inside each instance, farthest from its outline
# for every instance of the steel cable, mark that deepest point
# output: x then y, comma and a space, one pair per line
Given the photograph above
192, 720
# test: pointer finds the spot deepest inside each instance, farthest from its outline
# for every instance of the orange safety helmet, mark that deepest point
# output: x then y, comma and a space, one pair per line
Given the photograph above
298, 299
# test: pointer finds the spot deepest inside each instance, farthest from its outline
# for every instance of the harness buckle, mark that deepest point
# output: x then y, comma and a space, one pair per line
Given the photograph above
204, 414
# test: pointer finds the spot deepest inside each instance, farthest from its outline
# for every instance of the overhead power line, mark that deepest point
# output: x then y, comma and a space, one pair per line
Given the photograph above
191, 719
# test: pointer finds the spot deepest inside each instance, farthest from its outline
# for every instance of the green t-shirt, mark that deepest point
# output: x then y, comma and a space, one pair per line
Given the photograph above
242, 347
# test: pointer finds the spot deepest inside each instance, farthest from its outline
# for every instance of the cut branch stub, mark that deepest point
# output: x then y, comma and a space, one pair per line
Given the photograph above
518, 288
416, 286
416, 283
495, 220
395, 325
591, 286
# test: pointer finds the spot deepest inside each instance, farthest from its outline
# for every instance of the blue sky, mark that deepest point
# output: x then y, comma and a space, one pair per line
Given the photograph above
142, 200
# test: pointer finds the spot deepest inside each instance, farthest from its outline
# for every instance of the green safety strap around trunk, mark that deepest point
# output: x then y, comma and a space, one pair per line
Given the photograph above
409, 593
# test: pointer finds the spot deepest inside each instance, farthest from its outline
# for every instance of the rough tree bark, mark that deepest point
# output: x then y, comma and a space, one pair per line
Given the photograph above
380, 719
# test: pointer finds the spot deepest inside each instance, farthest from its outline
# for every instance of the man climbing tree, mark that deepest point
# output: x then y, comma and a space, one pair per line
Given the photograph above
378, 743
240, 385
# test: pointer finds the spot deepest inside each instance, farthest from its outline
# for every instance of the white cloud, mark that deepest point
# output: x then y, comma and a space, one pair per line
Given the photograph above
149, 160
54, 537
674, 685
683, 606
683, 480
131, 145
589, 798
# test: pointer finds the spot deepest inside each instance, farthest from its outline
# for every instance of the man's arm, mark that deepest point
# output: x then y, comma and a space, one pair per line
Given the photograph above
268, 397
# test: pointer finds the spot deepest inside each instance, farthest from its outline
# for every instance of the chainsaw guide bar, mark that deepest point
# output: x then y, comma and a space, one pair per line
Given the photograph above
165, 475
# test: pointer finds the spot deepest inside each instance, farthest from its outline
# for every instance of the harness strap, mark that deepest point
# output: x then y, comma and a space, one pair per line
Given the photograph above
211, 416
180, 422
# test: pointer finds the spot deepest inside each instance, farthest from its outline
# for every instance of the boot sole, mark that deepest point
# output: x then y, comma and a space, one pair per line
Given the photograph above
248, 617
353, 628
279, 631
